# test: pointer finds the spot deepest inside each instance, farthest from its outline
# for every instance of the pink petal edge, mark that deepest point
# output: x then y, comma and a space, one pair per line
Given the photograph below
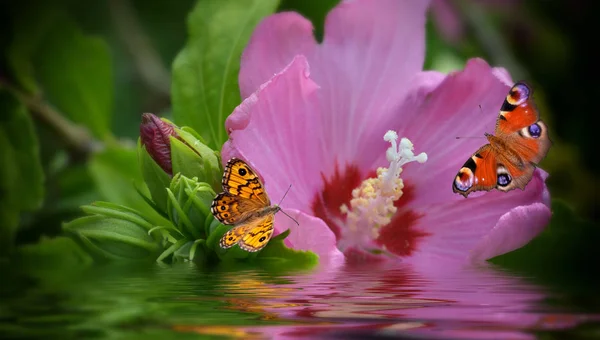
475, 229
311, 233
276, 130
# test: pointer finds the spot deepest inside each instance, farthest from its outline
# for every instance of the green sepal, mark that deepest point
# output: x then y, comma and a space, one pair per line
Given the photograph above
189, 205
206, 164
110, 238
185, 160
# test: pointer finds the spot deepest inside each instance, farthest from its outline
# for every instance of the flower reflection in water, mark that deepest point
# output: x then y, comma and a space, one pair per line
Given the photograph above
389, 301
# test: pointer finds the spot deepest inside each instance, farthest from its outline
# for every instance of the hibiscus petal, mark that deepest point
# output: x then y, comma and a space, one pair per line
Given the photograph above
276, 129
479, 228
273, 45
311, 233
370, 51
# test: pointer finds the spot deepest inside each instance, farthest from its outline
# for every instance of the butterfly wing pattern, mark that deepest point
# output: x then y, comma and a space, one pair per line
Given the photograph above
520, 142
245, 205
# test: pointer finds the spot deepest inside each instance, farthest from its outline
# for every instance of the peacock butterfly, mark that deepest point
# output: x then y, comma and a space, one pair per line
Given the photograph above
519, 144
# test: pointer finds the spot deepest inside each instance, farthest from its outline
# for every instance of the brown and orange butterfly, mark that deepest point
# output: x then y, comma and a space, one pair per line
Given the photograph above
245, 205
520, 142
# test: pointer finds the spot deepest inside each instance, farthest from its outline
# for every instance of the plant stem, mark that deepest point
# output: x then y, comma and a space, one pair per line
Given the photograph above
76, 137
146, 58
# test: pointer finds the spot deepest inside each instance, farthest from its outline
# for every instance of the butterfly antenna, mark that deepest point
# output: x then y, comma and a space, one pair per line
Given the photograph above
285, 194
283, 212
470, 137
291, 218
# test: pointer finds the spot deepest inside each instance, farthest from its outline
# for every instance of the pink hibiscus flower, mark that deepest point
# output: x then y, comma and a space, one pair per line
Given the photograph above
327, 119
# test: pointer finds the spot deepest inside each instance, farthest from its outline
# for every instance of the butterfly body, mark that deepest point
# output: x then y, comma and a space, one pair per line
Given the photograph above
520, 142
245, 205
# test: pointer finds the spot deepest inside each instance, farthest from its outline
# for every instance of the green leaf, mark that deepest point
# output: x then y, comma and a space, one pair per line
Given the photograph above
75, 71
116, 173
21, 173
205, 86
277, 251
275, 255
566, 251
108, 238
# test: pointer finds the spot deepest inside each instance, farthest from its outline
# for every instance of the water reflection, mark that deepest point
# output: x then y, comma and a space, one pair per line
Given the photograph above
355, 301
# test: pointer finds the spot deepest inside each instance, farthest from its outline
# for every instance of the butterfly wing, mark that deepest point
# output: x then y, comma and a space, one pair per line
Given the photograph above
478, 172
488, 169
240, 180
230, 209
243, 194
519, 125
250, 237
260, 234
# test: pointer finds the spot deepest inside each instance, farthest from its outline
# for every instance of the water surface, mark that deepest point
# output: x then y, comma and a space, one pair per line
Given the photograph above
181, 301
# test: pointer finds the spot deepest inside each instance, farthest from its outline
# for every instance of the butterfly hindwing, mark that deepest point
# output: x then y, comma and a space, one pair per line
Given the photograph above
250, 237
234, 236
259, 235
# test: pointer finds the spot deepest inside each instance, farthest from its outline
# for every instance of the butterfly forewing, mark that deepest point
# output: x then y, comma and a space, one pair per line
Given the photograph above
518, 110
478, 173
240, 180
230, 209
520, 127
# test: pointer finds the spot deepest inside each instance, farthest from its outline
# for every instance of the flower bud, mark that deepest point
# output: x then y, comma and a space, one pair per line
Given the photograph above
155, 136
165, 150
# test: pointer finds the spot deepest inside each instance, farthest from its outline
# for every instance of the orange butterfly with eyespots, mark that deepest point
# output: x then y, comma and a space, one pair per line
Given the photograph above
520, 142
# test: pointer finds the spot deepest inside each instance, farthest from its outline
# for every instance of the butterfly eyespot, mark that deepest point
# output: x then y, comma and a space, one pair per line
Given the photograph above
230, 238
535, 130
464, 180
225, 215
242, 172
504, 180
223, 207
262, 239
518, 94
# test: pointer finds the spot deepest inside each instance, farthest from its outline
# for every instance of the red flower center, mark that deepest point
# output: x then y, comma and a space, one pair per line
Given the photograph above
401, 236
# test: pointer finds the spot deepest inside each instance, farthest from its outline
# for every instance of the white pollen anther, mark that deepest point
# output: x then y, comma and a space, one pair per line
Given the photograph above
372, 203
391, 135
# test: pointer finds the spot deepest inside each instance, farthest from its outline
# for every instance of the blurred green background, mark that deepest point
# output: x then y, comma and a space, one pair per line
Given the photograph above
128, 48
75, 77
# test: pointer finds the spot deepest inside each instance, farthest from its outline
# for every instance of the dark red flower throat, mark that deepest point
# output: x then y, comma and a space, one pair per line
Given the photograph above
400, 237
